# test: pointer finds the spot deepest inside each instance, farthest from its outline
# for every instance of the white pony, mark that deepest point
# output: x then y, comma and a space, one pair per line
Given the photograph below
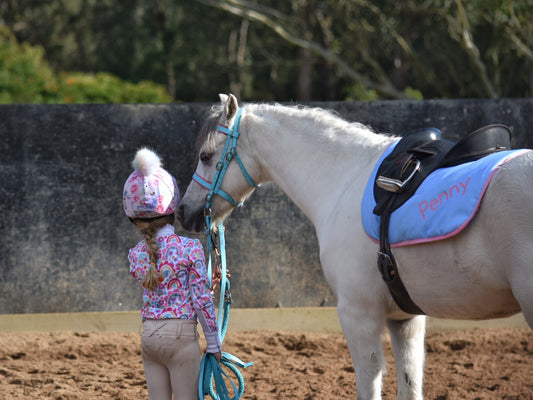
323, 163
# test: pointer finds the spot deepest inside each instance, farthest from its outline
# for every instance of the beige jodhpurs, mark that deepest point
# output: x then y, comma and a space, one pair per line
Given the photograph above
171, 358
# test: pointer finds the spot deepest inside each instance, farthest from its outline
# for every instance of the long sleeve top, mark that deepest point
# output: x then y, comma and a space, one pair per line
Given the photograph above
184, 291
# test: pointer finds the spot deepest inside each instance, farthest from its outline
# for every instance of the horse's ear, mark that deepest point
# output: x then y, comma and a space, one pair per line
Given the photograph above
223, 99
231, 107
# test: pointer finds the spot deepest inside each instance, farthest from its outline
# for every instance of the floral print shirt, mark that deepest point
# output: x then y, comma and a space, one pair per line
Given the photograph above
185, 290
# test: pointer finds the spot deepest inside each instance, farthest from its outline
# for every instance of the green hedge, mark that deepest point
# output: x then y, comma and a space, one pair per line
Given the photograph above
26, 77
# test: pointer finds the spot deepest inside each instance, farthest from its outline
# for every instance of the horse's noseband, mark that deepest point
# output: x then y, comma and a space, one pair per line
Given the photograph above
228, 154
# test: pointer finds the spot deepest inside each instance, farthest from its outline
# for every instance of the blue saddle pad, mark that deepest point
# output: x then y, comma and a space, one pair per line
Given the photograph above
443, 205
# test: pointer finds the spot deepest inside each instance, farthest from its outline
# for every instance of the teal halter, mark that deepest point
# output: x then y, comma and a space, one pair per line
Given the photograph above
210, 370
228, 154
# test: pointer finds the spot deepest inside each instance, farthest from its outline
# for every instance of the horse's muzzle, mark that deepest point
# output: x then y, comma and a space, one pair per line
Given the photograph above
191, 220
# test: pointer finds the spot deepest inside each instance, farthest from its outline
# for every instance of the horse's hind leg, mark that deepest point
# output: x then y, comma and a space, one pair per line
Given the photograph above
523, 292
407, 339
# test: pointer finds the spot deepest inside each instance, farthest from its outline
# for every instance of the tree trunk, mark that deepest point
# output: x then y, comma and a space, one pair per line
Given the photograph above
305, 75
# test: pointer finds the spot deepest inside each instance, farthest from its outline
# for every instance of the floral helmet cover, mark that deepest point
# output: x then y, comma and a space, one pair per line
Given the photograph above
150, 191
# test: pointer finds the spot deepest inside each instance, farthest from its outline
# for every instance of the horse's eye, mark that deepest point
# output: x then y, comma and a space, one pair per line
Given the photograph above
205, 156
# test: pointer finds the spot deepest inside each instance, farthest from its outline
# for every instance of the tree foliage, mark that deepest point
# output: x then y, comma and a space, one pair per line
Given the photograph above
290, 49
26, 77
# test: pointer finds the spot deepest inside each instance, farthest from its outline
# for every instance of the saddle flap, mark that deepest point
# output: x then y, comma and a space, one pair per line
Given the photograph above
411, 161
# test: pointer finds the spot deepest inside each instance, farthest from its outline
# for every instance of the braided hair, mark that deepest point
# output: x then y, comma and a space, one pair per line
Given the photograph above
149, 227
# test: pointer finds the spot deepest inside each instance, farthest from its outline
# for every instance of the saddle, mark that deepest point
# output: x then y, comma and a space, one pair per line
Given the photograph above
416, 156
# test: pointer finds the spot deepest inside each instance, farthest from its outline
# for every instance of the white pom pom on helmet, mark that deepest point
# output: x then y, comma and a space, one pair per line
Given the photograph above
150, 191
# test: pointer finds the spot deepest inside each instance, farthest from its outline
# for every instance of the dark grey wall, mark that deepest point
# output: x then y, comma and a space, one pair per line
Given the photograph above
65, 237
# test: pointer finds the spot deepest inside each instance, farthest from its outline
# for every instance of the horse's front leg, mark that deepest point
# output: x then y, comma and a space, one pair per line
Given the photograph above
407, 339
363, 329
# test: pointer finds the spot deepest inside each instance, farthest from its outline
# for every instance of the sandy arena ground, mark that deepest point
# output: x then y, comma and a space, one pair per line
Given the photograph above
469, 365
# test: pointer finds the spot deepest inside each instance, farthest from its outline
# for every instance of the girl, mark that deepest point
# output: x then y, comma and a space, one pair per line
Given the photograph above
172, 271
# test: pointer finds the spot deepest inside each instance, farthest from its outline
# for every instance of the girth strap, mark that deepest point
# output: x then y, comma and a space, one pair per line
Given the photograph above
388, 269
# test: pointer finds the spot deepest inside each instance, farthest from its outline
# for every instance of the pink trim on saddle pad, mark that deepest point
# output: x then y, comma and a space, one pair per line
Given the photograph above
442, 206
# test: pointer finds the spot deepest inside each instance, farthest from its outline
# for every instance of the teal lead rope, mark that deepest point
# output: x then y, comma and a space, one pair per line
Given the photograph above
210, 370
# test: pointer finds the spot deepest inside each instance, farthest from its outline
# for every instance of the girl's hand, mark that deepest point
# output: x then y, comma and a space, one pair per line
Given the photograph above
217, 277
218, 355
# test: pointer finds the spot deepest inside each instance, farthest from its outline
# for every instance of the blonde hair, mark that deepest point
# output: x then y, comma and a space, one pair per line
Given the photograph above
149, 227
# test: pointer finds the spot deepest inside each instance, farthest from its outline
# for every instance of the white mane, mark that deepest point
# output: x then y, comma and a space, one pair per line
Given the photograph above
318, 121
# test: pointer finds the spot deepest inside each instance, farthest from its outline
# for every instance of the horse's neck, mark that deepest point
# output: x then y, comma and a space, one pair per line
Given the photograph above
314, 158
